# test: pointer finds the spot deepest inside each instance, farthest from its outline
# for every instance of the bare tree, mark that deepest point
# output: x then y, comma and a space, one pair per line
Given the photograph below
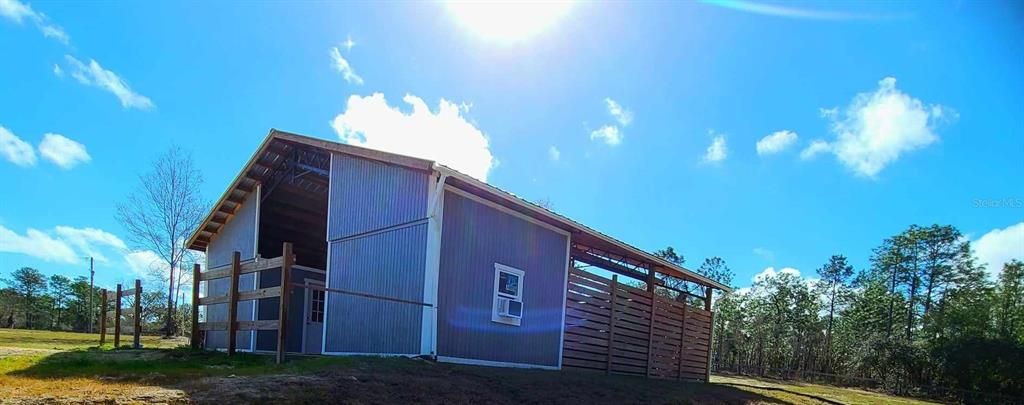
162, 212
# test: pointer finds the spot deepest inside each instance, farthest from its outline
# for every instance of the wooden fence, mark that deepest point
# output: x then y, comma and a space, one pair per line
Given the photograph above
616, 328
233, 296
115, 298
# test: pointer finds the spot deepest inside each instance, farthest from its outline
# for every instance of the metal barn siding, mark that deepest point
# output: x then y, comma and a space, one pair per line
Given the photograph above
266, 340
474, 237
367, 195
389, 264
239, 234
377, 234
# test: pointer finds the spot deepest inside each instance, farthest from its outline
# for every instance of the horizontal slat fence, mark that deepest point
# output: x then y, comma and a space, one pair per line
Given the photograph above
233, 296
609, 327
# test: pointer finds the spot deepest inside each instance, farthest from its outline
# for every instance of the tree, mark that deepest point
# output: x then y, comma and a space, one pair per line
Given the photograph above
163, 212
1009, 302
29, 284
60, 289
834, 278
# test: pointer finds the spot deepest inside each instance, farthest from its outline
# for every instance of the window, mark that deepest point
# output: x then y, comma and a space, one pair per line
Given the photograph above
316, 306
508, 295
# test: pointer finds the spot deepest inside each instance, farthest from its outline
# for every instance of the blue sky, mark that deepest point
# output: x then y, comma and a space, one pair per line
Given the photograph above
655, 110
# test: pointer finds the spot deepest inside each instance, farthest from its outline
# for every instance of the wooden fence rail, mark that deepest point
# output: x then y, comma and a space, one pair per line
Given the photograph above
233, 296
115, 298
616, 328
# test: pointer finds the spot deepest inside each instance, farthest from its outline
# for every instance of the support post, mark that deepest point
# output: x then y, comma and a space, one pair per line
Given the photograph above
682, 339
138, 315
103, 317
236, 270
117, 319
287, 259
650, 331
651, 280
611, 321
711, 331
195, 307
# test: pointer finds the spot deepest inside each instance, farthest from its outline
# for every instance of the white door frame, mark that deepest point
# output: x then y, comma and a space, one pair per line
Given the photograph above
305, 308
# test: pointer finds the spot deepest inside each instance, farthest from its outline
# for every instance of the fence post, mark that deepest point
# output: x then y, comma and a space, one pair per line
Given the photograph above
236, 269
282, 317
103, 318
711, 331
650, 333
611, 321
117, 319
195, 307
682, 339
138, 314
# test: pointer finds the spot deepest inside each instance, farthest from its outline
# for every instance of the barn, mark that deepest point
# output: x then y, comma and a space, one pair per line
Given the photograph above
393, 255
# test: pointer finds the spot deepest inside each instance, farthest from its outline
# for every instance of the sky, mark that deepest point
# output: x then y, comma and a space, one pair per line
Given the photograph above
773, 135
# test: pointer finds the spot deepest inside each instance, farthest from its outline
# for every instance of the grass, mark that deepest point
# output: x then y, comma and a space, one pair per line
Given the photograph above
40, 366
36, 339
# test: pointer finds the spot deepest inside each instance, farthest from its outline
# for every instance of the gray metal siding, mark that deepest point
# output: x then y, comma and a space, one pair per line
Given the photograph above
474, 238
268, 310
389, 264
368, 195
239, 234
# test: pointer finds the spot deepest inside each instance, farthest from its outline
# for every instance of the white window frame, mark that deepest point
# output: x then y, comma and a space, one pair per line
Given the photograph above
498, 269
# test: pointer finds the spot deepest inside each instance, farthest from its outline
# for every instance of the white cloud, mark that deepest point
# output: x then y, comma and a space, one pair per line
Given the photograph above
878, 127
717, 151
55, 32
37, 244
57, 71
609, 134
776, 10
554, 154
17, 11
770, 272
342, 66
145, 263
776, 142
445, 136
622, 115
348, 44
63, 151
90, 241
816, 147
16, 150
999, 246
95, 75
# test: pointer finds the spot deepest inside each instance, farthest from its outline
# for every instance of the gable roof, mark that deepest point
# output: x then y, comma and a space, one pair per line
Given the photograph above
270, 150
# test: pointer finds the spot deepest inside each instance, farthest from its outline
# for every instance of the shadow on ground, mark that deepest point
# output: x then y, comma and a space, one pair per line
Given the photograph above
185, 376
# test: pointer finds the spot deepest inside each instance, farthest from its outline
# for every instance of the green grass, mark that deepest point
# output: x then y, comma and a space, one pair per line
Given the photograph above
39, 339
36, 366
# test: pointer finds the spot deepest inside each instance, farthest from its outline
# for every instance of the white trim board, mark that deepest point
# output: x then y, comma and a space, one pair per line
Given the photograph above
431, 273
327, 270
489, 363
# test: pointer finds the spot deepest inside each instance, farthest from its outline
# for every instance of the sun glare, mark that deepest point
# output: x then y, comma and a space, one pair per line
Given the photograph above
508, 21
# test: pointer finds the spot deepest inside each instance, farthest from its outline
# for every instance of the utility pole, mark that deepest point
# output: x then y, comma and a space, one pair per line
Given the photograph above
92, 292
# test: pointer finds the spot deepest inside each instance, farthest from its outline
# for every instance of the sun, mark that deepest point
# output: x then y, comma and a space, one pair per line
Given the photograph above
508, 22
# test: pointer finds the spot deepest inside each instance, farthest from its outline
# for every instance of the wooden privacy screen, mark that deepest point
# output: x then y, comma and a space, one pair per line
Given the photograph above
608, 327
233, 325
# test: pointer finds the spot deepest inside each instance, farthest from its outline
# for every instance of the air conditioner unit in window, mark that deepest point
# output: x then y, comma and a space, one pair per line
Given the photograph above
510, 308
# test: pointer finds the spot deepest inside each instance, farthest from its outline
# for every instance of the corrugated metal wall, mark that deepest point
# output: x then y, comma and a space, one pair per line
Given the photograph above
474, 238
367, 196
238, 234
268, 310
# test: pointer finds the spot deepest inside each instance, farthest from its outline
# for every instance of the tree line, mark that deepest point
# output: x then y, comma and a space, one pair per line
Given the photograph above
924, 318
31, 300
